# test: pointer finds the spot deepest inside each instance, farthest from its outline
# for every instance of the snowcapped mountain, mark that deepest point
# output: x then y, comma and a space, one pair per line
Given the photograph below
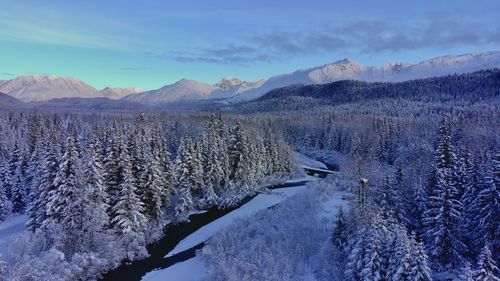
348, 69
40, 88
118, 93
234, 90
190, 90
182, 90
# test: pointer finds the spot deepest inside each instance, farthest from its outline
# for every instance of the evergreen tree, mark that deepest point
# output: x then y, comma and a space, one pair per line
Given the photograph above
184, 172
37, 211
486, 207
444, 211
151, 183
94, 200
400, 261
67, 190
386, 198
127, 217
373, 260
420, 270
486, 267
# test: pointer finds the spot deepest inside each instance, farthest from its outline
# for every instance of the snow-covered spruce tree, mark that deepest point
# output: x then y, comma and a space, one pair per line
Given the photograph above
113, 169
487, 269
400, 261
466, 273
127, 219
183, 201
419, 209
237, 155
197, 188
3, 196
443, 210
65, 207
18, 192
475, 174
486, 207
385, 198
420, 270
16, 187
214, 175
37, 211
151, 183
14, 161
356, 253
374, 264
94, 199
167, 175
401, 193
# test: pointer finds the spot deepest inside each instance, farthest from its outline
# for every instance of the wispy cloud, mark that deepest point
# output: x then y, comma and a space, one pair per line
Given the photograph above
373, 37
41, 25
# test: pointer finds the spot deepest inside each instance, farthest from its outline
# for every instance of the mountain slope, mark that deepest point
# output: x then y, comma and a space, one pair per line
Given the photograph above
7, 101
40, 88
118, 93
190, 90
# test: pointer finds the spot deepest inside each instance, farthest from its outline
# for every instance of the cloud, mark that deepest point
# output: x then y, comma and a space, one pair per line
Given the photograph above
373, 37
8, 74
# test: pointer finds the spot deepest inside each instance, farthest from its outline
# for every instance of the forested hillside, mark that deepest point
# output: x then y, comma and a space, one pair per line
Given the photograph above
462, 89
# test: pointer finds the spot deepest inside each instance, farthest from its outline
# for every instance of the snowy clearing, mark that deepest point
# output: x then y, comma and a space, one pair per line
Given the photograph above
10, 229
260, 202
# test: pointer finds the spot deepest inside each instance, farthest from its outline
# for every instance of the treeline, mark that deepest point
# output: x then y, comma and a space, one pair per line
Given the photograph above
98, 189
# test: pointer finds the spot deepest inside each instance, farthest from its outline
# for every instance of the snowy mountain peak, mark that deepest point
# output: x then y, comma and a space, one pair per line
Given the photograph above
346, 61
228, 82
118, 93
46, 87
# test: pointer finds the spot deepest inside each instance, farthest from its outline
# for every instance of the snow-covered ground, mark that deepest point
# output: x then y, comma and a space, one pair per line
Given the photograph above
194, 269
303, 160
190, 270
261, 201
10, 229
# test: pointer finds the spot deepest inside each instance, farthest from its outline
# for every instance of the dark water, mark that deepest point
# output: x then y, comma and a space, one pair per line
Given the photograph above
173, 235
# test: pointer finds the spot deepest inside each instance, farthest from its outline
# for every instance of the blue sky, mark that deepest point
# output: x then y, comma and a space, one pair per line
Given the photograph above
148, 44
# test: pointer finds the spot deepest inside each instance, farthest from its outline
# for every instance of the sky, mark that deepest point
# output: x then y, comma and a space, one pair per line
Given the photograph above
148, 44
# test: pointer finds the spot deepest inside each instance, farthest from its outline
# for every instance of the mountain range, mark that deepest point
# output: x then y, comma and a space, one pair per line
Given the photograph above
37, 88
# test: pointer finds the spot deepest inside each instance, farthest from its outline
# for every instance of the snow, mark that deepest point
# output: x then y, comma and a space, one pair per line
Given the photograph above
260, 202
10, 229
190, 270
303, 160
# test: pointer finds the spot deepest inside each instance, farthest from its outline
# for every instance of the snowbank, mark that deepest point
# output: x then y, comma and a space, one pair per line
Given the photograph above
190, 270
261, 201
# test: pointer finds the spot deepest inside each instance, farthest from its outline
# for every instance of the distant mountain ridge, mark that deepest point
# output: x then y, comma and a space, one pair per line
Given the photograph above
36, 88
118, 93
233, 90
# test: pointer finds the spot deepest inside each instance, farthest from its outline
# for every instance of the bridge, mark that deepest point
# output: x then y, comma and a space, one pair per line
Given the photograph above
322, 173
